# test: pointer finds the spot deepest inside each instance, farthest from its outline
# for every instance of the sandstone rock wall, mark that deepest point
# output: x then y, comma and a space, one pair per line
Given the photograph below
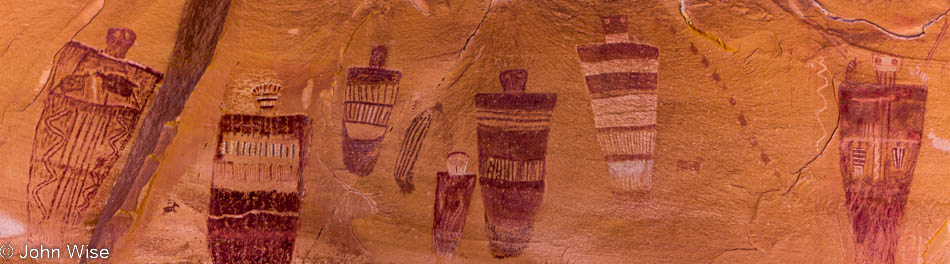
753, 160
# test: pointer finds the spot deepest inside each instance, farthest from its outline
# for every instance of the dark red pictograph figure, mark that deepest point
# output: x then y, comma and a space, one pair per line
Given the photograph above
411, 146
513, 132
255, 200
94, 101
368, 100
453, 194
621, 77
881, 125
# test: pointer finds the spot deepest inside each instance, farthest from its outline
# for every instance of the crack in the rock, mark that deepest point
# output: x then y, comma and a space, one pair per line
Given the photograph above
689, 23
52, 71
943, 31
322, 228
923, 27
758, 200
367, 197
358, 241
746, 59
7, 48
831, 35
465, 46
421, 7
932, 239
348, 190
339, 61
823, 148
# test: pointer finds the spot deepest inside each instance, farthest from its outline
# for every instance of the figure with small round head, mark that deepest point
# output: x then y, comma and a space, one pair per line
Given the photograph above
118, 42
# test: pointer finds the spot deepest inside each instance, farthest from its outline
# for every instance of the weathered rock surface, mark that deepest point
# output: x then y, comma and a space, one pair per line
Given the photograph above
783, 131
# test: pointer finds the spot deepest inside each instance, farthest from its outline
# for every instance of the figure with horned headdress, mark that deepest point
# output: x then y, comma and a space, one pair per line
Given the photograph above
881, 125
256, 176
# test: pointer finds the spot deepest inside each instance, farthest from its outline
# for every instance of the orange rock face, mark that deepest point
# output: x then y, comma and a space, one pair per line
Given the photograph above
352, 131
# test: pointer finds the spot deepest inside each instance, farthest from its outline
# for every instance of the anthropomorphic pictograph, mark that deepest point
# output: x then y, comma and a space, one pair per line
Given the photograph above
94, 101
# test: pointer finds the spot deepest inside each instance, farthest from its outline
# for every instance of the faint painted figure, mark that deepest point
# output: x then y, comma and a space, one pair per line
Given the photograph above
622, 77
513, 130
411, 145
453, 194
92, 108
881, 126
368, 101
256, 178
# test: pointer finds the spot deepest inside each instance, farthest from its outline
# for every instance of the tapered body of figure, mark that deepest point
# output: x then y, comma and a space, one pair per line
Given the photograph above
91, 111
513, 129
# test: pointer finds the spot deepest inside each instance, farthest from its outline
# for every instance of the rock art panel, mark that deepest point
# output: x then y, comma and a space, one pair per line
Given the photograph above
199, 29
91, 111
369, 97
881, 127
453, 194
621, 77
411, 145
512, 130
256, 181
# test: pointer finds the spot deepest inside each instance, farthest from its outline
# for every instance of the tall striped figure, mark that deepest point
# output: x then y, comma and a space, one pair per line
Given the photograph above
255, 183
513, 130
92, 109
622, 77
411, 146
368, 101
880, 128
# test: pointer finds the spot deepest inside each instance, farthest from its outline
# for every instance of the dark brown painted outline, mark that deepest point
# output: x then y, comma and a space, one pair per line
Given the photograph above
197, 38
360, 155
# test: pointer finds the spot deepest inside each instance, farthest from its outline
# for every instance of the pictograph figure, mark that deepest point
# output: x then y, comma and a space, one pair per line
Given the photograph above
256, 181
368, 101
881, 126
411, 145
513, 130
453, 194
94, 100
621, 77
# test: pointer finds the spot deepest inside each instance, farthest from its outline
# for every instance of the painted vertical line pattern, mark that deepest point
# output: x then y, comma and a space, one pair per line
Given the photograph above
881, 127
410, 148
94, 101
512, 131
369, 97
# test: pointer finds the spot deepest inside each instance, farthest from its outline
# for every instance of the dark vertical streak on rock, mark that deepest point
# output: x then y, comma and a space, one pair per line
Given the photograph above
198, 33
